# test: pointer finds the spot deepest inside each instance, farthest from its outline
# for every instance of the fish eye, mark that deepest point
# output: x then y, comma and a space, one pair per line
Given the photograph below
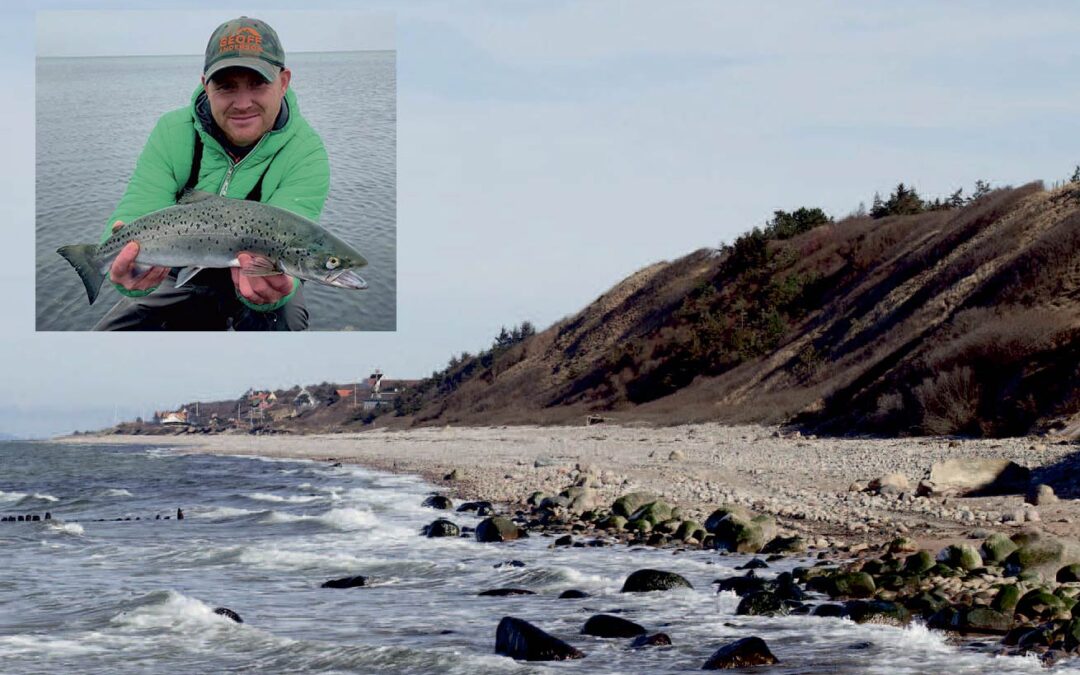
332, 262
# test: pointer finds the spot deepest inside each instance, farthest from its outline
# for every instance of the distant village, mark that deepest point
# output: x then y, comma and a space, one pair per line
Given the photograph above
301, 406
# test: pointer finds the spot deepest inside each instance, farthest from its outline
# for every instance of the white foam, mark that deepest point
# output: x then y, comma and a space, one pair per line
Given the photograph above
286, 559
170, 610
47, 498
219, 512
284, 499
340, 519
118, 492
66, 528
14, 645
11, 496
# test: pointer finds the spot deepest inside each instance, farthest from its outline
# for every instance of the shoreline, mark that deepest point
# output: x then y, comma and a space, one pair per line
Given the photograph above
804, 482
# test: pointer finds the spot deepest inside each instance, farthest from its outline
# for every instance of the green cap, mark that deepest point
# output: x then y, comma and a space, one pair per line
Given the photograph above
247, 43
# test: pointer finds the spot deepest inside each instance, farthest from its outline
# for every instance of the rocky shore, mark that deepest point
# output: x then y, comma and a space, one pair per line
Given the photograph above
975, 537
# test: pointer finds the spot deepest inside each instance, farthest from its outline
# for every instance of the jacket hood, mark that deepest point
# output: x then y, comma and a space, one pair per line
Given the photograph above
284, 127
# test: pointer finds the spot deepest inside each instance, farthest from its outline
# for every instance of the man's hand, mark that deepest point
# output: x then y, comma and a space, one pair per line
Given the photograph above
125, 272
260, 290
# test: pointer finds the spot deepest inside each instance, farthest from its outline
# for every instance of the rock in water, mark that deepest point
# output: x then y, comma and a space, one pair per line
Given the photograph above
626, 505
654, 640
503, 592
442, 528
441, 502
346, 582
573, 594
521, 640
643, 581
497, 528
608, 626
228, 614
751, 651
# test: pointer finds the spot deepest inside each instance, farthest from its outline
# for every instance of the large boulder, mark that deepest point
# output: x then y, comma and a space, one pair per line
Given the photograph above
1040, 605
608, 626
497, 528
878, 612
521, 640
440, 502
852, 585
482, 508
626, 505
736, 534
987, 620
996, 548
643, 581
655, 512
961, 556
504, 592
764, 603
442, 528
1042, 553
971, 475
751, 651
723, 511
579, 499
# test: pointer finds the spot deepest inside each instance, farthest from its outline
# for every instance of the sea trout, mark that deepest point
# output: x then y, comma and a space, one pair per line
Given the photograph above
207, 231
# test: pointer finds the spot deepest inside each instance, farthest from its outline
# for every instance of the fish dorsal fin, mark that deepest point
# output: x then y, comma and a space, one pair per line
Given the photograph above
192, 196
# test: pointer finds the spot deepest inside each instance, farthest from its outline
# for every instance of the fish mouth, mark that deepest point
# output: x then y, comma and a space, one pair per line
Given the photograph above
346, 279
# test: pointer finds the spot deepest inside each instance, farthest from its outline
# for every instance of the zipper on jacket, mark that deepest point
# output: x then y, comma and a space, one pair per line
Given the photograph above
232, 165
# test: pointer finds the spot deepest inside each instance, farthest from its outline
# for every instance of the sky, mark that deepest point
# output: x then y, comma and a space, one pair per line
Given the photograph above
546, 150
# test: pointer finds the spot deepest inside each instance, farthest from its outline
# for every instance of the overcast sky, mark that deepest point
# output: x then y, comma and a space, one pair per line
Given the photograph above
548, 149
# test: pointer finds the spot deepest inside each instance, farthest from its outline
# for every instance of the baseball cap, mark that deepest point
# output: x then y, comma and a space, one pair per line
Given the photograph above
247, 43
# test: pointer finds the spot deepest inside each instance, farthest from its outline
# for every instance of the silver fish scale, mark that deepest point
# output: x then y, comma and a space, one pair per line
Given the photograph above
211, 231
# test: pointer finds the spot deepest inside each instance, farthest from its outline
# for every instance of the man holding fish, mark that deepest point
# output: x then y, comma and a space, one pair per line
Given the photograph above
241, 138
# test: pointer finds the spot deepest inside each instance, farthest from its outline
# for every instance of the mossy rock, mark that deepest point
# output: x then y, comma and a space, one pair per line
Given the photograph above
688, 529
655, 512
669, 526
639, 525
852, 585
986, 620
738, 535
535, 498
919, 563
961, 556
613, 522
941, 569
496, 529
647, 580
1006, 598
877, 612
626, 505
997, 547
763, 603
1068, 573
793, 544
903, 545
722, 512
1040, 605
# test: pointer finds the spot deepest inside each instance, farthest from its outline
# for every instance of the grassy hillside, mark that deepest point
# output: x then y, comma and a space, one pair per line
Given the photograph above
956, 316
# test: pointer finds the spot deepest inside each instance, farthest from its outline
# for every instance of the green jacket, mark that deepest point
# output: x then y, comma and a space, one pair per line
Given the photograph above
297, 180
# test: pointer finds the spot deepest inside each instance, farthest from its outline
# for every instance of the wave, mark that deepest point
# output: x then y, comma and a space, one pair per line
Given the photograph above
65, 528
11, 496
286, 499
170, 610
338, 519
118, 492
220, 513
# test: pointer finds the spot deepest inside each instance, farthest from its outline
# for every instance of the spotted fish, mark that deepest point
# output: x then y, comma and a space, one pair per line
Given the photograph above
207, 231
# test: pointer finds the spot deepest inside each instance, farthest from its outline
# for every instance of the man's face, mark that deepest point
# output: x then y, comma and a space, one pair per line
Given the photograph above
243, 104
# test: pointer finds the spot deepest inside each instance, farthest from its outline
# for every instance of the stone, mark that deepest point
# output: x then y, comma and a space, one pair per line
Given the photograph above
1040, 605
983, 476
1042, 553
626, 505
508, 564
829, 610
228, 614
851, 585
503, 592
346, 582
523, 641
579, 499
1006, 599
441, 502
997, 548
986, 620
647, 580
722, 512
754, 564
453, 475
738, 535
744, 653
676, 455
608, 626
903, 545
654, 640
894, 480
690, 529
442, 528
481, 508
961, 556
1068, 573
877, 612
496, 529
1040, 495
918, 563
793, 544
573, 594
613, 522
655, 512
535, 498
763, 603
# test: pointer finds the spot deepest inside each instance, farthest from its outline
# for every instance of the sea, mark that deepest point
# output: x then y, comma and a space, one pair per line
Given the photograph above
114, 583
95, 114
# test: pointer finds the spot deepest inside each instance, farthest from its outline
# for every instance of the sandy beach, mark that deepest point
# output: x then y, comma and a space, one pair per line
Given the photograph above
805, 482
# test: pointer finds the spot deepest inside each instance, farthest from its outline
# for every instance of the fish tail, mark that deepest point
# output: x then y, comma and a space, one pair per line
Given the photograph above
82, 258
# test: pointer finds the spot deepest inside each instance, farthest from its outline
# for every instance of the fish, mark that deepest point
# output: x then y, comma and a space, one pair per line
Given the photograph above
204, 231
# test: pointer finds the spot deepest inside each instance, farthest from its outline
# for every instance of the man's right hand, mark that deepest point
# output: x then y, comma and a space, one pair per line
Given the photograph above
126, 273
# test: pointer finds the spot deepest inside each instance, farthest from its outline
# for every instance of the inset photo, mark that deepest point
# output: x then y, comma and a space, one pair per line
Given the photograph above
201, 171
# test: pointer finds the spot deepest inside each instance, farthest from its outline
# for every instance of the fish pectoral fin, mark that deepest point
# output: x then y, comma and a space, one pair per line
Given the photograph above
185, 275
259, 266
